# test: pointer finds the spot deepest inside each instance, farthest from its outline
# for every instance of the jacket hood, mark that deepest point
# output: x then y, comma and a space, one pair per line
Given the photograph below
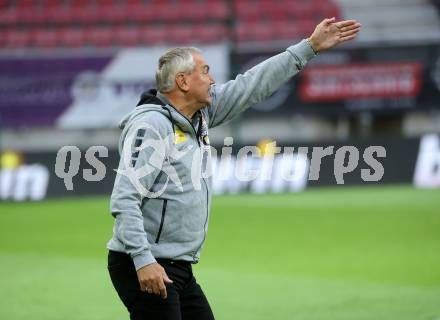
147, 102
150, 97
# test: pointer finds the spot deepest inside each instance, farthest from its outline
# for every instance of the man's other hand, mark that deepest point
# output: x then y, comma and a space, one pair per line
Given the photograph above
330, 33
152, 279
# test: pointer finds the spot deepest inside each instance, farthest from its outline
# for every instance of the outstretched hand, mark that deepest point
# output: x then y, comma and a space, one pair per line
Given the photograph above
330, 33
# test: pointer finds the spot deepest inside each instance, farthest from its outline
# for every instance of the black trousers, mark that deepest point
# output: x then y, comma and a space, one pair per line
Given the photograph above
185, 301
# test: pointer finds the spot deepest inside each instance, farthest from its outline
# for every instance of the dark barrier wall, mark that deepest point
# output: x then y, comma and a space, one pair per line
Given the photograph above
399, 163
378, 79
32, 175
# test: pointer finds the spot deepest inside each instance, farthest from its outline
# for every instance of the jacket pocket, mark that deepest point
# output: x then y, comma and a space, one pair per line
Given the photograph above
162, 220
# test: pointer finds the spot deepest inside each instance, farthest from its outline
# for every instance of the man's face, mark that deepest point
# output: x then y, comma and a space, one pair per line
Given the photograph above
200, 81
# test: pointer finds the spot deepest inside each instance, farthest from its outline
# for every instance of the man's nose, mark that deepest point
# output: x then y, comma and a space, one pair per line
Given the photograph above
211, 79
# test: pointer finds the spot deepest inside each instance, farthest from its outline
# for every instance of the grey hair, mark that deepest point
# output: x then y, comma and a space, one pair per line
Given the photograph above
172, 62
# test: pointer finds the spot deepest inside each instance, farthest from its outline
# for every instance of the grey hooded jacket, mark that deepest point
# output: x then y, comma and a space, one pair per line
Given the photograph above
162, 193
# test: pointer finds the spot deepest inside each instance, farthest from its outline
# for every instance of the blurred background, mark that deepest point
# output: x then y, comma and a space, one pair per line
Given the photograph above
70, 70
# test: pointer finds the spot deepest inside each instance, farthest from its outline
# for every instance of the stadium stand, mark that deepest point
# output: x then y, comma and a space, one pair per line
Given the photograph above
274, 20
50, 23
118, 24
394, 20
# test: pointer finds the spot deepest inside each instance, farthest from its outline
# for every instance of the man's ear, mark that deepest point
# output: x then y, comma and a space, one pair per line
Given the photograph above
182, 82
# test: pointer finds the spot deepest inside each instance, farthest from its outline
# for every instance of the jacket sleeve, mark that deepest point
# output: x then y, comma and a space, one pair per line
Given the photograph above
136, 174
257, 84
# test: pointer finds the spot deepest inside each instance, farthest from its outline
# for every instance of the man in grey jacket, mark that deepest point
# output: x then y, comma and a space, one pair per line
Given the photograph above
162, 193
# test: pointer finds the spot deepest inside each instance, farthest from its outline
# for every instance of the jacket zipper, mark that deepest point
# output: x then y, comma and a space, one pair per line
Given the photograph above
207, 197
206, 186
162, 219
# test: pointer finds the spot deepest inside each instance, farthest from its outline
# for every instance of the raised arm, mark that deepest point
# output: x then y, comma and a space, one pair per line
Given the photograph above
258, 83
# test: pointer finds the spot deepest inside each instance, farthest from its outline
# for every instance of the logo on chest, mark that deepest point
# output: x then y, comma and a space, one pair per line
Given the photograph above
179, 136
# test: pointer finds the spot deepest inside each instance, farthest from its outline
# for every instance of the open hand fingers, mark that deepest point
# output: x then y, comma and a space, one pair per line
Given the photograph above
162, 290
155, 286
143, 286
146, 286
349, 32
162, 287
329, 33
166, 279
343, 39
350, 27
159, 287
329, 21
346, 23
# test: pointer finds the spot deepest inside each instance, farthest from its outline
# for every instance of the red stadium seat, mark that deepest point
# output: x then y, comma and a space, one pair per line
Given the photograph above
170, 12
139, 13
60, 15
263, 32
307, 26
127, 36
72, 38
44, 38
79, 3
240, 33
280, 30
246, 11
134, 2
26, 3
266, 20
17, 39
103, 3
192, 11
332, 10
152, 35
273, 10
217, 9
112, 13
254, 31
179, 34
299, 9
52, 3
86, 14
209, 32
132, 22
8, 17
96, 36
2, 40
31, 15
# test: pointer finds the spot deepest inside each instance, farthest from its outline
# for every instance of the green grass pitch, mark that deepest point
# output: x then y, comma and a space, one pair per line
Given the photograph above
332, 253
